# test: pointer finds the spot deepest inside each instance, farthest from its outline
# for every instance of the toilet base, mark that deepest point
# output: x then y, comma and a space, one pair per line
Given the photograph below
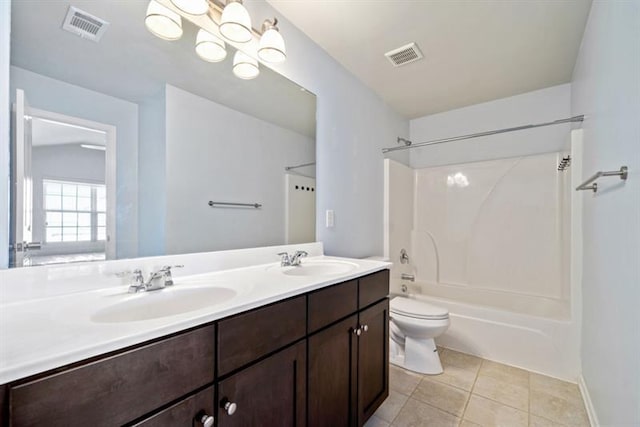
417, 355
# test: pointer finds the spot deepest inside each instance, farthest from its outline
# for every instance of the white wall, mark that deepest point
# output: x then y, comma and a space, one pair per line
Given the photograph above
606, 88
5, 117
56, 96
152, 199
399, 192
534, 107
353, 125
216, 153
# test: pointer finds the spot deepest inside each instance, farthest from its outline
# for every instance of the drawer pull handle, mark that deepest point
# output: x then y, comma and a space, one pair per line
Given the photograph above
357, 331
205, 420
365, 328
228, 406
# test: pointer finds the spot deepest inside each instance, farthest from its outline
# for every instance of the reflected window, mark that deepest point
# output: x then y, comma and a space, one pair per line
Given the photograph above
74, 211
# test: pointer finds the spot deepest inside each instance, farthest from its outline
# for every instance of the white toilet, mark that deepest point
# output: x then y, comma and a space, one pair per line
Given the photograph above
414, 325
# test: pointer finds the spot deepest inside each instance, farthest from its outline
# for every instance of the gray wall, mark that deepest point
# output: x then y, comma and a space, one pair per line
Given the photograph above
66, 163
606, 88
59, 97
5, 43
353, 125
216, 153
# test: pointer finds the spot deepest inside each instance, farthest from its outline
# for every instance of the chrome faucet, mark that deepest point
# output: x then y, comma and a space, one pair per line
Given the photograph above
293, 260
157, 280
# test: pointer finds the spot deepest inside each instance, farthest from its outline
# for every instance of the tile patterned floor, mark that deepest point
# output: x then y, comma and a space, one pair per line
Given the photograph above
475, 392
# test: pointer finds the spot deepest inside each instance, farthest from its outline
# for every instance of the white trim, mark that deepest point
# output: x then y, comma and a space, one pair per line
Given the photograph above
110, 167
588, 404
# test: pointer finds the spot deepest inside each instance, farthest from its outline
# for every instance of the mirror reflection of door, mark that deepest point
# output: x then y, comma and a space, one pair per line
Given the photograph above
62, 215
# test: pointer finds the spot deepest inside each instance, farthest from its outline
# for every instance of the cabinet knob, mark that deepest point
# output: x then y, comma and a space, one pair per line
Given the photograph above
206, 420
364, 328
228, 406
357, 331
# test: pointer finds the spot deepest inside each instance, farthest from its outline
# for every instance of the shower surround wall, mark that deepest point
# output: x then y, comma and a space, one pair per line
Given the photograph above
490, 241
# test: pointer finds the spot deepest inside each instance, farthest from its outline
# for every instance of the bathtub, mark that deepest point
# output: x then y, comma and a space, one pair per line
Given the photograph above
539, 344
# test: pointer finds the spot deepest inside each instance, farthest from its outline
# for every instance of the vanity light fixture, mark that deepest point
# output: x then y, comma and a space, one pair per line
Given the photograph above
271, 48
244, 66
210, 47
163, 22
235, 23
192, 7
230, 21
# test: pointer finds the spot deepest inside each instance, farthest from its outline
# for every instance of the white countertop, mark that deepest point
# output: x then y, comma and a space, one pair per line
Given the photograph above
40, 334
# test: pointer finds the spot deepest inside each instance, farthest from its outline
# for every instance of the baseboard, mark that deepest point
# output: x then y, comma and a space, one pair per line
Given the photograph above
588, 404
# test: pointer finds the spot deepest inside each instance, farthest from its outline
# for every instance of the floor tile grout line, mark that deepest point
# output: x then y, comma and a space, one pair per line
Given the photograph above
464, 412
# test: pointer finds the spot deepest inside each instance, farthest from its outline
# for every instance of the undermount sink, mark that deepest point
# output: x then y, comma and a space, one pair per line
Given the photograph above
163, 303
318, 268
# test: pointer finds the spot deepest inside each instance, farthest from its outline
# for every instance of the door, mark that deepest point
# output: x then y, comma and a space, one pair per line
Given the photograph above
332, 384
271, 393
373, 359
22, 188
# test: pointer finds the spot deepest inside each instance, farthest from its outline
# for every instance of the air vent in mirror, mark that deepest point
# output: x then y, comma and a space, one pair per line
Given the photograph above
84, 25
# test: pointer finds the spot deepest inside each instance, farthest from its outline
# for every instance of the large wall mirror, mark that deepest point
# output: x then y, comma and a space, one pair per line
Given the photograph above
134, 146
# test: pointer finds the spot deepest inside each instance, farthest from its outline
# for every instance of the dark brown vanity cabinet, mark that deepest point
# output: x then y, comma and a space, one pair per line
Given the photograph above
270, 393
348, 360
117, 389
318, 359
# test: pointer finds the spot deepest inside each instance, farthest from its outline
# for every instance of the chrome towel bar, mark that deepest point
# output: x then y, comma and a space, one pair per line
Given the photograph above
622, 173
238, 205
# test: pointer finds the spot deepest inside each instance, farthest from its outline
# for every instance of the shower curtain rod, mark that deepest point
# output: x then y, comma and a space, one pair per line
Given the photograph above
410, 145
288, 168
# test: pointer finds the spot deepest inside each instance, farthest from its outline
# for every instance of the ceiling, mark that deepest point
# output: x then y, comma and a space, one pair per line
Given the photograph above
47, 132
132, 64
475, 51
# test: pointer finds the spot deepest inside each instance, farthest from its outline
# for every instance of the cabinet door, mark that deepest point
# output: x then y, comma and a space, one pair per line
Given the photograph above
186, 413
373, 359
332, 385
269, 393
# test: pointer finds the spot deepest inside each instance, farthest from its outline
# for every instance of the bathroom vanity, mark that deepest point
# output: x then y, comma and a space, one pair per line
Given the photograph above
318, 358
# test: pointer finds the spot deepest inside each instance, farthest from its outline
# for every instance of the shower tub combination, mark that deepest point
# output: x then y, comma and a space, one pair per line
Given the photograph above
491, 242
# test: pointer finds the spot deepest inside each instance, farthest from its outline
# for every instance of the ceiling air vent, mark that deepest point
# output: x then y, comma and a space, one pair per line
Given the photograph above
404, 55
84, 25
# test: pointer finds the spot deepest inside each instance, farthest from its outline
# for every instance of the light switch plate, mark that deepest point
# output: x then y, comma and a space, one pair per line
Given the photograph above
329, 218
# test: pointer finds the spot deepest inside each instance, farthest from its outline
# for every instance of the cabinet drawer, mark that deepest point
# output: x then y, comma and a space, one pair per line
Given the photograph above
249, 336
333, 303
373, 288
120, 388
183, 413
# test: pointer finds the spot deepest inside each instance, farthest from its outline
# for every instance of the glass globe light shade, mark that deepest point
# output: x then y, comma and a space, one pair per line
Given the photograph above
163, 22
271, 48
210, 47
235, 23
244, 66
192, 7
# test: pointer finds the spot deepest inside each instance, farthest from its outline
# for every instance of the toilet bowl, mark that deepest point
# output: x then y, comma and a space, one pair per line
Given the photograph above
413, 326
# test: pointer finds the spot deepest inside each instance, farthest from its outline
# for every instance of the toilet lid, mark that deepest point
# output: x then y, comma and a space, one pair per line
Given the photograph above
417, 309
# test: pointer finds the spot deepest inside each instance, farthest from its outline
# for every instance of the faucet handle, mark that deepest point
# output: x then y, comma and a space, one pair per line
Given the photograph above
133, 275
284, 259
166, 271
302, 253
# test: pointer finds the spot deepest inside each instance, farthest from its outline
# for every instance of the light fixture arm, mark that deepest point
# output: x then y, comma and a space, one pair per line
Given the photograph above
268, 24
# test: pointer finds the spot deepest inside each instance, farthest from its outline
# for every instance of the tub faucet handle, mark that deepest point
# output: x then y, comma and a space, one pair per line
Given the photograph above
409, 277
404, 256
